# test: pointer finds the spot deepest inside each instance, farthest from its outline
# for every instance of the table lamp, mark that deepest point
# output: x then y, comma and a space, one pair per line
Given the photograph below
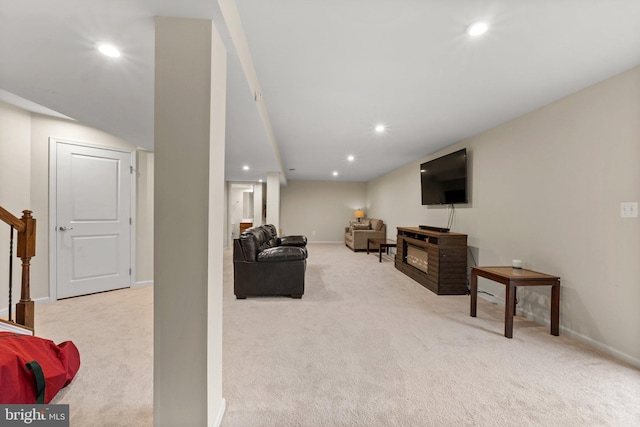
359, 214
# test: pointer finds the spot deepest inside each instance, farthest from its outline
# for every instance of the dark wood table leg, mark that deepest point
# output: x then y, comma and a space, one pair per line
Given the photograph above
368, 246
474, 293
555, 309
380, 252
510, 301
515, 299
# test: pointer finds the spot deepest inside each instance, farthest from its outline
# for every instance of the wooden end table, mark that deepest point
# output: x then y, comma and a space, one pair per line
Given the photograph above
512, 278
382, 244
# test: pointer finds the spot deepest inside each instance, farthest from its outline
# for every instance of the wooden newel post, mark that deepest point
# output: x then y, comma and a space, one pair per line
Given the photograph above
25, 251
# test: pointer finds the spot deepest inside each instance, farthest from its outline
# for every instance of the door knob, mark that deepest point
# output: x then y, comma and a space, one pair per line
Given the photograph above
63, 228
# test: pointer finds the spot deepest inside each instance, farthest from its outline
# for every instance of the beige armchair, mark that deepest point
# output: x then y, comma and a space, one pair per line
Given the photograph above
357, 234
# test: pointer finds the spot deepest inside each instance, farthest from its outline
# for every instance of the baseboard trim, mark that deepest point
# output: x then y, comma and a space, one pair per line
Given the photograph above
490, 298
143, 283
220, 414
43, 300
568, 331
584, 339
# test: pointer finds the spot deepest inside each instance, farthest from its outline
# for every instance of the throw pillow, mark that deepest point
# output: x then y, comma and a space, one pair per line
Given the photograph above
361, 227
376, 224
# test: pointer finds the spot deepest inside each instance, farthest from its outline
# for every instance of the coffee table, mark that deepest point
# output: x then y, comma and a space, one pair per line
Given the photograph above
512, 278
382, 244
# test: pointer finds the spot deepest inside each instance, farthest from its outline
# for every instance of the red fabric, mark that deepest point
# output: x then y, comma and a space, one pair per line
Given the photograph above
59, 363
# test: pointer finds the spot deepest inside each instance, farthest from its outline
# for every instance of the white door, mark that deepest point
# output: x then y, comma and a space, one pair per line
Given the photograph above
93, 210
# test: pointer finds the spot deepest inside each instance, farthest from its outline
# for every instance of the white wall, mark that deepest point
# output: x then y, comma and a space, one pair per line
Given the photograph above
24, 184
320, 210
15, 178
144, 217
236, 206
546, 188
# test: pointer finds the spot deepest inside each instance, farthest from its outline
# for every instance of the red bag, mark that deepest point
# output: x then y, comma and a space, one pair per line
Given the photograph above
21, 380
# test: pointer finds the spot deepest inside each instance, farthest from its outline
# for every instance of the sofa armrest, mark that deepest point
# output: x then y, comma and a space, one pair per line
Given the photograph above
282, 253
299, 241
360, 237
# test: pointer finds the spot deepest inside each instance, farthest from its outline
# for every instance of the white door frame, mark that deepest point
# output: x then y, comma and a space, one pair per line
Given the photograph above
53, 248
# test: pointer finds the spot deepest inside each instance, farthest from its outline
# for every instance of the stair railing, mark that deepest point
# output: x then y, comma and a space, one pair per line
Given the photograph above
26, 249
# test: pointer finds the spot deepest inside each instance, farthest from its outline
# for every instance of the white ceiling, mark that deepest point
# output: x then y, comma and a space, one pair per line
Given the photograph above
329, 70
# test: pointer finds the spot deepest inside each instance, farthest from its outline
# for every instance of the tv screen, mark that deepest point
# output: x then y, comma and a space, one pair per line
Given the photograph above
444, 180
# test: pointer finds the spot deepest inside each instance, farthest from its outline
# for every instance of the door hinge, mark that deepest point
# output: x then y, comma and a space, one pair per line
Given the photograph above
130, 169
129, 271
130, 221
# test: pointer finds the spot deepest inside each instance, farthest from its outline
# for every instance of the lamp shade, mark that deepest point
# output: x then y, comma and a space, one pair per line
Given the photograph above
358, 214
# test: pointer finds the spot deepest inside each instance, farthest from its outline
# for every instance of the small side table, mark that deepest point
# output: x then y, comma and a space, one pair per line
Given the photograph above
245, 226
382, 244
511, 278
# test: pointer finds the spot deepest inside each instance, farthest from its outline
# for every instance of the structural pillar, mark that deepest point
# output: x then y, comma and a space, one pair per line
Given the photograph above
273, 199
189, 123
257, 204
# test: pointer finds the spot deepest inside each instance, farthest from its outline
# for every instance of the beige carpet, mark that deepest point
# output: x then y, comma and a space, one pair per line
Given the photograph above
366, 346
114, 334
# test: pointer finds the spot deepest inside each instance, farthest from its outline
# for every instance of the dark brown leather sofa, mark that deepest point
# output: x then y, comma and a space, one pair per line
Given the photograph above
266, 265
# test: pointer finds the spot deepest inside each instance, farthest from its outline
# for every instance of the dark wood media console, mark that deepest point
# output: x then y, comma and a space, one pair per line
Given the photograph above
436, 260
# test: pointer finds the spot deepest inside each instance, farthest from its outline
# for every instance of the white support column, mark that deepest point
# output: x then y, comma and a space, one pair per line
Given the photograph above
273, 199
190, 83
257, 204
217, 215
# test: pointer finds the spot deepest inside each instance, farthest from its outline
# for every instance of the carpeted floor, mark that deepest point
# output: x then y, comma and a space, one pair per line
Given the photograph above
365, 346
114, 334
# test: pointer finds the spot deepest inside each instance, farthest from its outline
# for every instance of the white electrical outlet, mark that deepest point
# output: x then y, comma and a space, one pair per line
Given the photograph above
629, 209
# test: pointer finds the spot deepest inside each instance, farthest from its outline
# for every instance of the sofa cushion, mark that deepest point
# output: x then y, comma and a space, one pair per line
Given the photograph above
365, 224
376, 224
254, 241
271, 229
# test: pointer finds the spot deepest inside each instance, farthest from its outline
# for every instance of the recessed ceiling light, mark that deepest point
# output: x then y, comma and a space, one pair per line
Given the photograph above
351, 158
245, 167
109, 50
259, 180
380, 128
477, 29
335, 173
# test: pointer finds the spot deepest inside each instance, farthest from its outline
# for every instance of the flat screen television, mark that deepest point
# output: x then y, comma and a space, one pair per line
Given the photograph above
444, 180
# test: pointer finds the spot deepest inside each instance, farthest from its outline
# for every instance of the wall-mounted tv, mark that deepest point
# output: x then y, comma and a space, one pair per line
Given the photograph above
444, 180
